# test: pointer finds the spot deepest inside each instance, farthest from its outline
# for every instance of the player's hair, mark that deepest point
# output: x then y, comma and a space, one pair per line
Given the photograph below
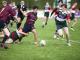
7, 1
4, 2
64, 5
35, 7
60, 1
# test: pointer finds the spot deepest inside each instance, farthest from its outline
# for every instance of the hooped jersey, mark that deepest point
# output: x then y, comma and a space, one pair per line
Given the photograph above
31, 18
62, 15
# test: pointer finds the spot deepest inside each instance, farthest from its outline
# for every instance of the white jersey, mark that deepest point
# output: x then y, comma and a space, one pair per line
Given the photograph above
62, 15
47, 8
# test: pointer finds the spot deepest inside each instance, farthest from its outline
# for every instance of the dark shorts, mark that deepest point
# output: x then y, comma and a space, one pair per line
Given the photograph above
2, 24
46, 14
11, 18
14, 36
28, 28
20, 15
60, 25
72, 16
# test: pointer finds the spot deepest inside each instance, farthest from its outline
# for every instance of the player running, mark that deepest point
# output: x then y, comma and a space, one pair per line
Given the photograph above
21, 8
72, 13
54, 13
4, 13
46, 14
29, 24
15, 36
61, 22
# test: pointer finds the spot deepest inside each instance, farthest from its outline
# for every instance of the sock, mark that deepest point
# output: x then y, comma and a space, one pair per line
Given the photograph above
18, 25
11, 24
21, 38
5, 38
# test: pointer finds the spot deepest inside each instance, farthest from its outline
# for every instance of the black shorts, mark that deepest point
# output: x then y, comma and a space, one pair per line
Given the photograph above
14, 36
2, 24
46, 14
20, 15
28, 28
11, 18
61, 24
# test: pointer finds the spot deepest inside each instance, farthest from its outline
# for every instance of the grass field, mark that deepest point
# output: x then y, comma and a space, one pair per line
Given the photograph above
54, 49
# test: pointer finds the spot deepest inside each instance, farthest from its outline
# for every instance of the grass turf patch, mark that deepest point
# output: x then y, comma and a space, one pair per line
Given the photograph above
54, 50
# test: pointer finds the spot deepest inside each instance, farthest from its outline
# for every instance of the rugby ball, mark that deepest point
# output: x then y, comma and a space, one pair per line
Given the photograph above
54, 36
42, 43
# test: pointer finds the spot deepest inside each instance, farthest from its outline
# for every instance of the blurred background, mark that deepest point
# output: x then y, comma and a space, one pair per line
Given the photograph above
41, 3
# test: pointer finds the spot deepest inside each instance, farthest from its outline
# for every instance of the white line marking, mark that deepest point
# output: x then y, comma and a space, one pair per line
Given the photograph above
65, 40
73, 41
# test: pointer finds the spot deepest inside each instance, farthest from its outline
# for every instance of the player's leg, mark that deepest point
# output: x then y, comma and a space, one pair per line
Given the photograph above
1, 34
59, 29
66, 31
22, 32
12, 21
46, 20
47, 17
21, 16
19, 23
16, 37
11, 18
6, 36
56, 35
75, 22
43, 21
35, 36
74, 19
60, 32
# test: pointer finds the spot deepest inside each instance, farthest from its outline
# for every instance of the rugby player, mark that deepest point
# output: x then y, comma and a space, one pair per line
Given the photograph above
72, 13
29, 24
4, 13
46, 14
21, 8
61, 22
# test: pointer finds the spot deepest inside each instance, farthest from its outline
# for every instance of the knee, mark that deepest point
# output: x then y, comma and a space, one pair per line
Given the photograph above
60, 32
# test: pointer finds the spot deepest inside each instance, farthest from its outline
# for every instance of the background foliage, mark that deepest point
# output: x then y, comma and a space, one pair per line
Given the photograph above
40, 3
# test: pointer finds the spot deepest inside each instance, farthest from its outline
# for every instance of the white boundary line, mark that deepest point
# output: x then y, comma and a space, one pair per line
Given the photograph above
70, 40
73, 41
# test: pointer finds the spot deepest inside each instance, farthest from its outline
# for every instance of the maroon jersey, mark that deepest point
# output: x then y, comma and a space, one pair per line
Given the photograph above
5, 12
31, 18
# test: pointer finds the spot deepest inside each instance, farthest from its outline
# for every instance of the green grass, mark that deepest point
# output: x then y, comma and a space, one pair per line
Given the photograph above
54, 49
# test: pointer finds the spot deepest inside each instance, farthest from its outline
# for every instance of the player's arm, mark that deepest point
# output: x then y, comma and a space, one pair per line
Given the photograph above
68, 18
54, 10
13, 13
21, 32
24, 12
74, 5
